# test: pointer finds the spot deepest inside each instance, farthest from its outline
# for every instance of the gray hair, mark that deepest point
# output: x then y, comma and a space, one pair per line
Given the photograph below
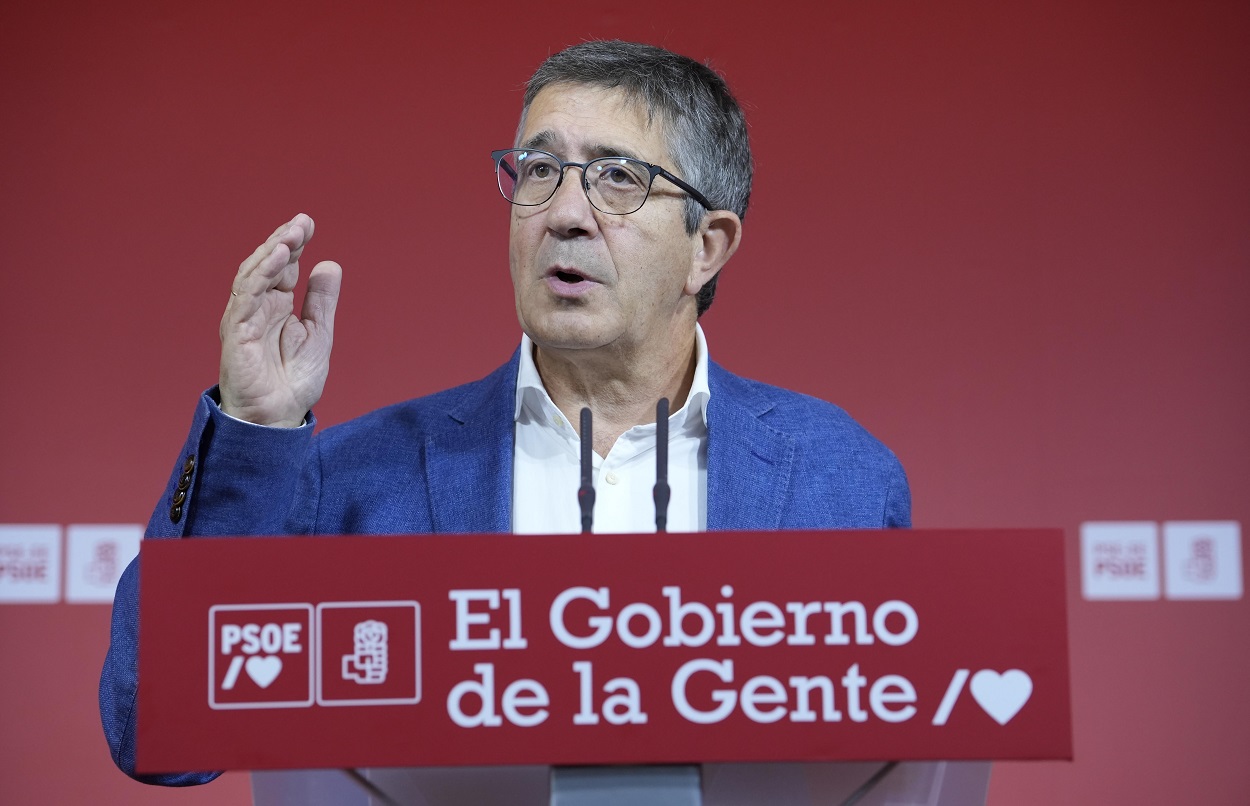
704, 127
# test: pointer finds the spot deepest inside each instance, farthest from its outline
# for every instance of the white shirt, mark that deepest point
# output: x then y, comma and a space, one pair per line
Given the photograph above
546, 471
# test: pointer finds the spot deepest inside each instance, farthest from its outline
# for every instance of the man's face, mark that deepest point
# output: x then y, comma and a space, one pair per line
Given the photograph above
584, 279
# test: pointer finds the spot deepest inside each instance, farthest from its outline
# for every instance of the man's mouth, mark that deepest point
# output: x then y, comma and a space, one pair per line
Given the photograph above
568, 276
569, 283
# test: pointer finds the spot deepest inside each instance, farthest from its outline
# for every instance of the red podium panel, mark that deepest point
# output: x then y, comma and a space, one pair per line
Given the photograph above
318, 652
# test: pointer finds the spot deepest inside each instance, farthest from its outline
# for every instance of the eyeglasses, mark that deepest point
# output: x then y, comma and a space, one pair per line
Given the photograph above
614, 185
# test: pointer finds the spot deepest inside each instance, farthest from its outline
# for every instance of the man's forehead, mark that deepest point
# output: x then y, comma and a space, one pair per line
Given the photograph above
562, 146
587, 121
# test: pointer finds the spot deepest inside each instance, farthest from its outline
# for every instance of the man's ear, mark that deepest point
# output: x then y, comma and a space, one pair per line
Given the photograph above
714, 243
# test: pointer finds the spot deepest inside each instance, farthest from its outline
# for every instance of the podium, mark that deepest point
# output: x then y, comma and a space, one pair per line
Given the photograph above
918, 783
713, 669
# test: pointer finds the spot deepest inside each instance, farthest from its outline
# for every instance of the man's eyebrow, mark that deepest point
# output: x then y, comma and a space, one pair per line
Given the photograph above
542, 141
603, 150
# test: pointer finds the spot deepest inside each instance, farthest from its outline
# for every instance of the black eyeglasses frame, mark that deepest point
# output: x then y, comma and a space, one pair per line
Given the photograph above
653, 170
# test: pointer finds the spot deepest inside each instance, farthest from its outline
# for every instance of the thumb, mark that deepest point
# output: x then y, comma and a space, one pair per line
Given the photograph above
322, 297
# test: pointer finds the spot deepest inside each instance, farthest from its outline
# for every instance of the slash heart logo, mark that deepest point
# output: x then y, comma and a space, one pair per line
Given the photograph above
263, 670
260, 656
1001, 695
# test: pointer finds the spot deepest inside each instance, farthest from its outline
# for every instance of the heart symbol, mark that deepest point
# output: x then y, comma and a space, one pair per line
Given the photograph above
1002, 695
264, 670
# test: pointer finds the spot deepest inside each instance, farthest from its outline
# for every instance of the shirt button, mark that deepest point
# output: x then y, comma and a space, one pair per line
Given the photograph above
559, 421
612, 478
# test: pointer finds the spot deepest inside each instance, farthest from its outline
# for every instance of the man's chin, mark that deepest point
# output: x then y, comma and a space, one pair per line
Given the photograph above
568, 333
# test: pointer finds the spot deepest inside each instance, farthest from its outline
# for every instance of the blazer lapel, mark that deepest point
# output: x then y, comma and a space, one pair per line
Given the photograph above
469, 462
748, 462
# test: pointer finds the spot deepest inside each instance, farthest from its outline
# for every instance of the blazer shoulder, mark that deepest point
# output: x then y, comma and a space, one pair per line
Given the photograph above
846, 477
809, 420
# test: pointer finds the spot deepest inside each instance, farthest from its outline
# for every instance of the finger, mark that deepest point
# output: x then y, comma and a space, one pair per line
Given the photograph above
283, 234
277, 268
301, 220
280, 269
305, 224
294, 235
322, 297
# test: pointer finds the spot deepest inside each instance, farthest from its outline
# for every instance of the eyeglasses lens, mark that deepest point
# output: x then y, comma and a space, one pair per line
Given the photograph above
614, 185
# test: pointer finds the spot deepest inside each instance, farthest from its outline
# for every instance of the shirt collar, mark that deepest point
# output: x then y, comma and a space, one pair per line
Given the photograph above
530, 384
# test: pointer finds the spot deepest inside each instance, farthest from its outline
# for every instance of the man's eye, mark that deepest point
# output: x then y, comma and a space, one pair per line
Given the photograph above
538, 170
618, 175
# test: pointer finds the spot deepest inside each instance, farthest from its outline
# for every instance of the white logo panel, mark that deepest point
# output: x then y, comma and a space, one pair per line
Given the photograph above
1120, 560
1202, 559
30, 563
95, 556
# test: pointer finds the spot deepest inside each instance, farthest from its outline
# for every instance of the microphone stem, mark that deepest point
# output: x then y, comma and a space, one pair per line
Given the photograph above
661, 492
586, 493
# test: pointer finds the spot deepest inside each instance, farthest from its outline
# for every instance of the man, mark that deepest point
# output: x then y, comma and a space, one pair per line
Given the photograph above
628, 184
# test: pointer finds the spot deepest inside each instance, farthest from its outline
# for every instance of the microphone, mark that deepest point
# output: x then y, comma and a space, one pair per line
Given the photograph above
586, 493
661, 491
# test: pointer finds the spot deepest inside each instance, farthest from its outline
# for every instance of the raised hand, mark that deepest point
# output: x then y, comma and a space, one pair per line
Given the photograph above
273, 363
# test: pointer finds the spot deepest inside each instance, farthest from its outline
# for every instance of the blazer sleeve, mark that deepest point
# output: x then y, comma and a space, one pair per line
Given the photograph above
231, 478
897, 513
235, 478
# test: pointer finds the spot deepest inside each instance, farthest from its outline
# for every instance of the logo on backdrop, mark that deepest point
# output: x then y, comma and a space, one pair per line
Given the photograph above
1199, 560
102, 568
1200, 566
334, 653
96, 555
34, 560
1202, 559
30, 563
1120, 560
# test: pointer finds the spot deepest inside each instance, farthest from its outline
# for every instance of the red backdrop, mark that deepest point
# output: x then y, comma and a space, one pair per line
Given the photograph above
1011, 238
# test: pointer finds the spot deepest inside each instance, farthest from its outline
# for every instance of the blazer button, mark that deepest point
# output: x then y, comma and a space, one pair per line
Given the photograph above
184, 483
189, 465
175, 513
179, 497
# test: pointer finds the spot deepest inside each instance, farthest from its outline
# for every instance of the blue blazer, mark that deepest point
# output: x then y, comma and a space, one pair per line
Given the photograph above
443, 463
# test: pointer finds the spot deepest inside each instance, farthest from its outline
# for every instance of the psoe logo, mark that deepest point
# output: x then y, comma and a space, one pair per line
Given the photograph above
1120, 560
1202, 559
368, 653
260, 656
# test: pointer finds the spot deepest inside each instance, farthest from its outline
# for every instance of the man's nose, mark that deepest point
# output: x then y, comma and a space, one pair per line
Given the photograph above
569, 211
